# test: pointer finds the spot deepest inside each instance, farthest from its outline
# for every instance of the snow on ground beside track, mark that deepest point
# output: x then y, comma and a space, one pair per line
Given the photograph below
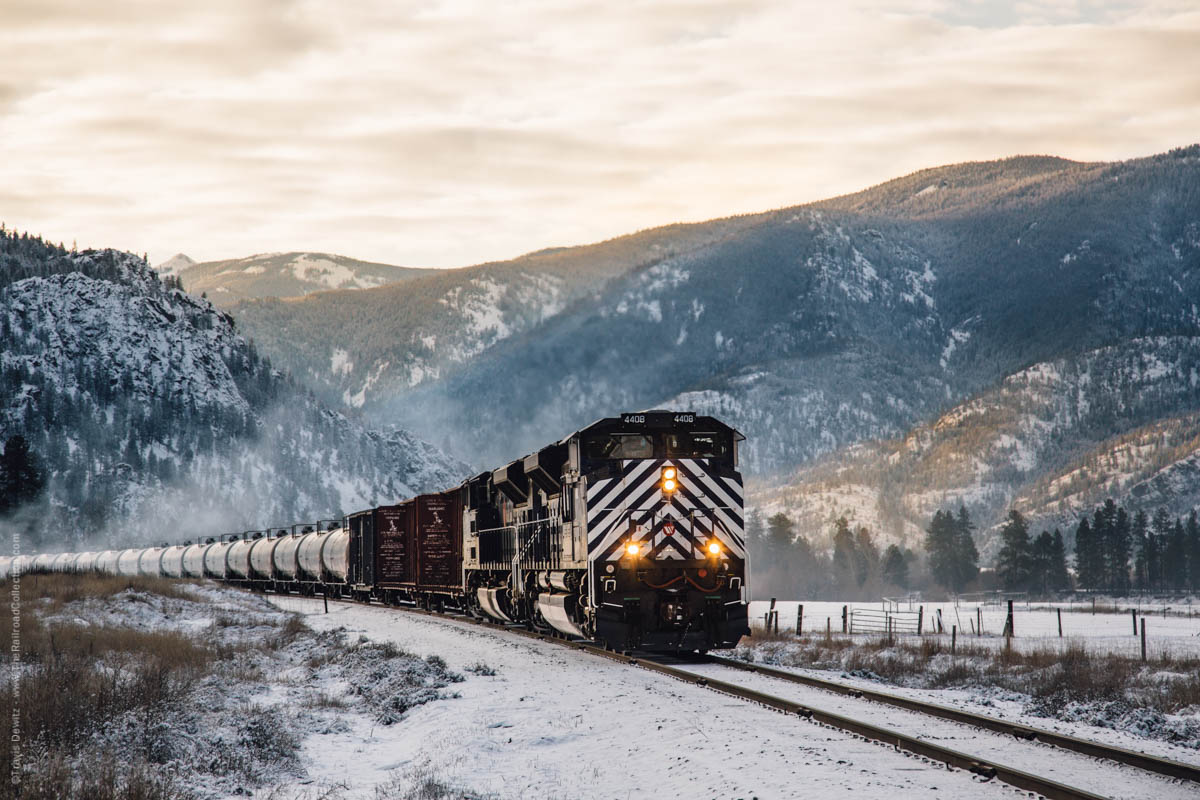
562, 724
1075, 770
1177, 633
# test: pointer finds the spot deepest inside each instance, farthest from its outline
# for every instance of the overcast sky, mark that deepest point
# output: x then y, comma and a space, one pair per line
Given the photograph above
448, 133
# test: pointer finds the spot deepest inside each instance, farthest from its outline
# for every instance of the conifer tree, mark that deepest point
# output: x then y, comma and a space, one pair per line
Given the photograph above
1141, 543
895, 567
1193, 540
966, 556
1060, 580
1014, 563
21, 476
1086, 556
940, 545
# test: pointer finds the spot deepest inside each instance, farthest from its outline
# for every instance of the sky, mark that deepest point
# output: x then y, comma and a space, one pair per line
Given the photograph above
451, 133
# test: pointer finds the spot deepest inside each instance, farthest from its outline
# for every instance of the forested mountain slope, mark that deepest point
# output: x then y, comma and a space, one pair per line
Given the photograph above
152, 418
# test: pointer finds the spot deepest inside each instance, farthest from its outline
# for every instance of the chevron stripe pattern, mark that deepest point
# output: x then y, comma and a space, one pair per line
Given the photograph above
632, 506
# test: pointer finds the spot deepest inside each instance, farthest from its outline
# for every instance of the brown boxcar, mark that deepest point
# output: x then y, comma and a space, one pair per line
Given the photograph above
436, 522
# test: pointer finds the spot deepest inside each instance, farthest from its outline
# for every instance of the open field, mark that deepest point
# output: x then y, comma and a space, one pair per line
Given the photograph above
1172, 629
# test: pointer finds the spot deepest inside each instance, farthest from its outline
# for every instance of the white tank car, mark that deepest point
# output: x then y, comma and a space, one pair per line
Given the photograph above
21, 565
5, 567
42, 562
285, 557
260, 558
106, 562
335, 556
85, 563
237, 559
309, 556
127, 562
172, 561
150, 562
63, 562
193, 560
215, 564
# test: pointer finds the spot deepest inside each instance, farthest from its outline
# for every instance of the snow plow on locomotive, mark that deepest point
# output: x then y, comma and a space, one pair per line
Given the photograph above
628, 532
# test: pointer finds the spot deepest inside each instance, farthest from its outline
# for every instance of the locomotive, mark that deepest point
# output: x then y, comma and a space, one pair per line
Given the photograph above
628, 532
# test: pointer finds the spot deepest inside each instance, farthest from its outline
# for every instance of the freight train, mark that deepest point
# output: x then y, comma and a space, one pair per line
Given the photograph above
628, 532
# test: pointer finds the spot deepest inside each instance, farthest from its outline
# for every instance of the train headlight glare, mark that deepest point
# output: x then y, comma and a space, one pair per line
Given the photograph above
669, 473
714, 548
669, 485
633, 548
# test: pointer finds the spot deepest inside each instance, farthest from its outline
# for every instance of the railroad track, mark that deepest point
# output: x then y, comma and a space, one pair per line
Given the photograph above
985, 767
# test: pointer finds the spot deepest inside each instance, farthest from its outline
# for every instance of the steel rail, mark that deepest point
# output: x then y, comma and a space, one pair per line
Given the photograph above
1051, 789
1149, 763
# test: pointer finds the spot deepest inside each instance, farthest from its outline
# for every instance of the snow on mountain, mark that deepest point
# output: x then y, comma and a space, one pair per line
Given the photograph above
174, 265
156, 419
287, 275
1053, 440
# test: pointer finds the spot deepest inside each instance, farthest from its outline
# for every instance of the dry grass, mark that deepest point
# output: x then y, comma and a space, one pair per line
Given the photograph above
78, 680
1070, 674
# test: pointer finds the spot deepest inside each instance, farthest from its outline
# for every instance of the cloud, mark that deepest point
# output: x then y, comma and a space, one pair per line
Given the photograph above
446, 133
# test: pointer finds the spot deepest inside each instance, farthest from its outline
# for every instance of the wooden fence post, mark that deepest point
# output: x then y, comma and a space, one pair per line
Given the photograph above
978, 620
845, 617
920, 619
1059, 610
1133, 614
325, 597
799, 619
827, 629
1143, 638
953, 638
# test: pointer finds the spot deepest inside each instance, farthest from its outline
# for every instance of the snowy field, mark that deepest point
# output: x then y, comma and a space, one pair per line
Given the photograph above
1171, 628
552, 723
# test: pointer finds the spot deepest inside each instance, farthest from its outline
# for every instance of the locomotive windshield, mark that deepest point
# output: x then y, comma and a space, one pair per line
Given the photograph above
667, 444
619, 445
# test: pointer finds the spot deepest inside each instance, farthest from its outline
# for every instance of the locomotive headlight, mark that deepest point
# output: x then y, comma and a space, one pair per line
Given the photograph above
714, 549
670, 480
633, 548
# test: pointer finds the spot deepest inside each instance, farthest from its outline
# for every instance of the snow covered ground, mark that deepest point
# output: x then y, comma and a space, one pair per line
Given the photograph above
553, 723
1175, 632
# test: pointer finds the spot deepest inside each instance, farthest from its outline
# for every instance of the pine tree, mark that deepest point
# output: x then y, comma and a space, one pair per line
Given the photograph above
1193, 540
895, 567
22, 479
940, 545
843, 552
1175, 566
1160, 529
1042, 554
1140, 537
966, 555
1060, 580
1116, 555
1014, 563
1086, 561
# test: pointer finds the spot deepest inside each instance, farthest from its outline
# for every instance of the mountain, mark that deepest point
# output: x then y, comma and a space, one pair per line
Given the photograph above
818, 327
1053, 441
154, 418
825, 332
283, 275
365, 347
174, 265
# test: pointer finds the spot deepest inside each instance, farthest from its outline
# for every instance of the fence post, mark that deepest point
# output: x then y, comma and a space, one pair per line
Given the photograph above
844, 620
979, 620
1059, 610
775, 614
799, 619
1143, 638
940, 627
1012, 628
827, 629
953, 638
325, 597
1133, 613
920, 619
